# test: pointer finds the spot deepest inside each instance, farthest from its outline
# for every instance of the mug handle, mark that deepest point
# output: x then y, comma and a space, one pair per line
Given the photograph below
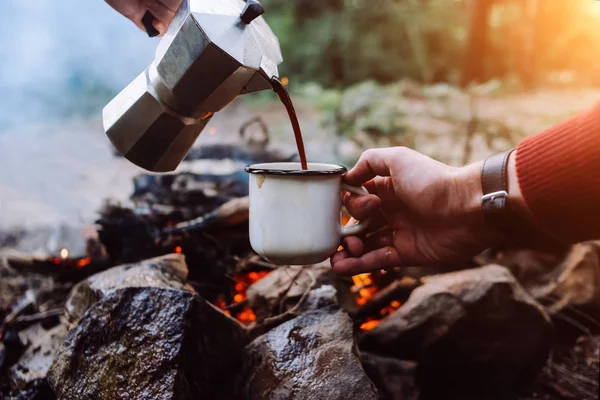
351, 230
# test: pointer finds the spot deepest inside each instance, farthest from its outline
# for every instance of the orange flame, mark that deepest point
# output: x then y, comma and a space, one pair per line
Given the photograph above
368, 325
365, 290
242, 282
83, 262
247, 315
238, 298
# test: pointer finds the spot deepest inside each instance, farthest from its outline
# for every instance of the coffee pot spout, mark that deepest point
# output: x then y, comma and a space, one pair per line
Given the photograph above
260, 81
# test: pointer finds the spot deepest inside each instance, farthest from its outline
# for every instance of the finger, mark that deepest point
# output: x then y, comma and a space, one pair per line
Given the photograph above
339, 255
383, 187
353, 245
377, 221
356, 246
376, 241
382, 258
372, 163
172, 5
131, 10
363, 206
163, 15
371, 186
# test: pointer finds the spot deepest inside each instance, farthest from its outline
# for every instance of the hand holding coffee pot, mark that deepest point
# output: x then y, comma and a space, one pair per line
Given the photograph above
152, 16
212, 51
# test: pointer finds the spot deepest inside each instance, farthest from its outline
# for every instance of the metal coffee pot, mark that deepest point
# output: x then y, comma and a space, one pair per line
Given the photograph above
213, 51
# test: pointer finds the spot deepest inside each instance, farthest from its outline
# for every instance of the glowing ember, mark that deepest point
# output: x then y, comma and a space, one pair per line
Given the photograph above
178, 249
285, 81
362, 279
55, 260
243, 313
221, 301
238, 298
365, 288
83, 262
73, 262
247, 315
368, 325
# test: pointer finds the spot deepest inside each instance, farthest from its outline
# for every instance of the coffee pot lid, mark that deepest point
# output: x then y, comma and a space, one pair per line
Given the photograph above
237, 28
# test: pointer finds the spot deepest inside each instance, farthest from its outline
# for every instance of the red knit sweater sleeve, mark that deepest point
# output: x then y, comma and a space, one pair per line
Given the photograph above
559, 175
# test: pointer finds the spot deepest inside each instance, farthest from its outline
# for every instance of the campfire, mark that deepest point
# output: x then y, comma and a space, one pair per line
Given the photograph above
170, 301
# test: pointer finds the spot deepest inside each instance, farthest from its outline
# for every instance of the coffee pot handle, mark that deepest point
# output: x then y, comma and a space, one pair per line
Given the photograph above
361, 226
148, 22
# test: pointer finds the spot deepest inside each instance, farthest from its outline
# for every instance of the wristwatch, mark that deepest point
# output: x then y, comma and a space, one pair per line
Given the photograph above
494, 184
498, 214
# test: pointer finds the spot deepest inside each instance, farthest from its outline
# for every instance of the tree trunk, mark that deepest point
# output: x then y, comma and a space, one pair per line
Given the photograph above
477, 43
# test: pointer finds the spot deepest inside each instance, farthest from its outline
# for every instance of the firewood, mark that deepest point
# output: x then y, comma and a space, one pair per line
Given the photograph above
252, 262
269, 323
231, 213
397, 290
39, 317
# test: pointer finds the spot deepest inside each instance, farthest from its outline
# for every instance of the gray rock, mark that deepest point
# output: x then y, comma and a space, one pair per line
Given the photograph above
394, 379
320, 297
34, 363
575, 282
281, 289
169, 272
475, 334
149, 343
310, 357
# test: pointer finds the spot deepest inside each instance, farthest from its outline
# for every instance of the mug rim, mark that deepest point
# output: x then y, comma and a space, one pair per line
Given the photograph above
263, 170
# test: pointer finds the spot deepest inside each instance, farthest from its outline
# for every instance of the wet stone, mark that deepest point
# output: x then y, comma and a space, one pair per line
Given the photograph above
310, 357
150, 343
476, 334
169, 272
282, 288
36, 360
395, 379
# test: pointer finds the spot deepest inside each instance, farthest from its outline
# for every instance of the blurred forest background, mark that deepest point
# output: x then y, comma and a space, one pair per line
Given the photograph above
454, 79
527, 42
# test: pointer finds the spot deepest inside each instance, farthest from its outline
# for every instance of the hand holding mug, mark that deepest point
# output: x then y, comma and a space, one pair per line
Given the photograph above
430, 213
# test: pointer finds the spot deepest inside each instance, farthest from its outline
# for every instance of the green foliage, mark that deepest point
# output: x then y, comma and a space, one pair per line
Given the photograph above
343, 42
338, 43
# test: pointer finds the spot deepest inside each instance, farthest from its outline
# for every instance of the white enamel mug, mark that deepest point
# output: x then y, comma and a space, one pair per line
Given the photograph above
295, 214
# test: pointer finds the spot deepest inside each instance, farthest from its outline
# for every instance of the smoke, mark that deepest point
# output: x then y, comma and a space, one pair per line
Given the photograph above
60, 58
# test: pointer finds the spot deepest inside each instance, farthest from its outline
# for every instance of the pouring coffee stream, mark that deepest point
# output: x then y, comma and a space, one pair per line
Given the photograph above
285, 98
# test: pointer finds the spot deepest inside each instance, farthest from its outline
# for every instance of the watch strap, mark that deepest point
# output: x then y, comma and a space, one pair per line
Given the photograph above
494, 184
